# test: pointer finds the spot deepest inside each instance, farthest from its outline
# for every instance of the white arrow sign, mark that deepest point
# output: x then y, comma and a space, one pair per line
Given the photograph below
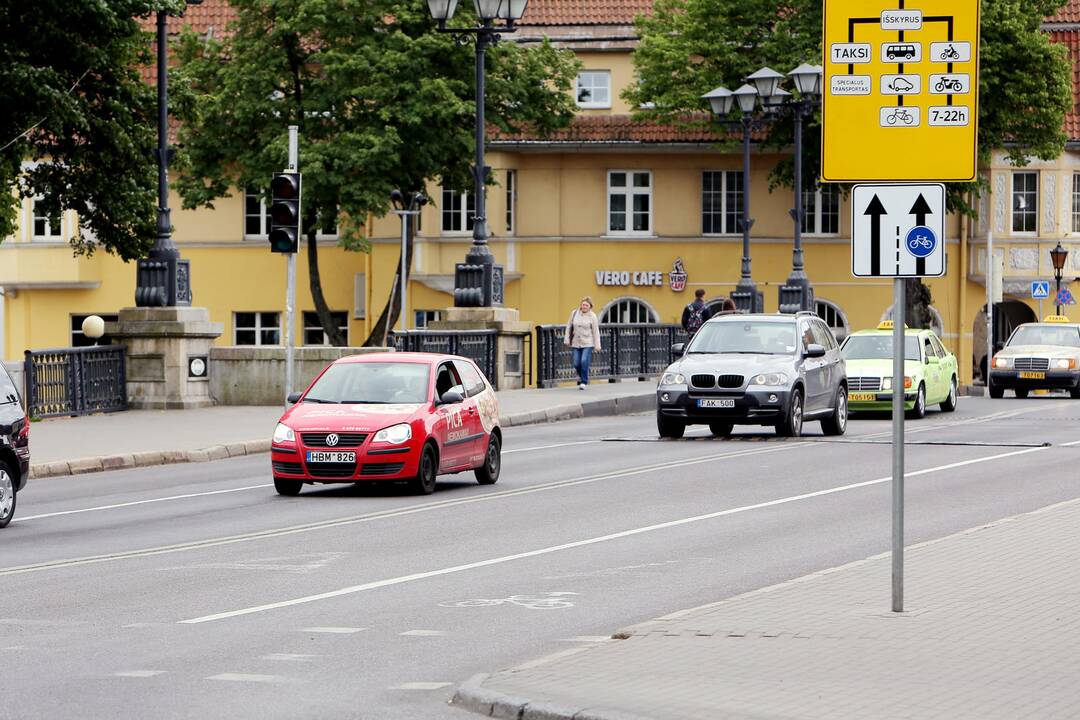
898, 230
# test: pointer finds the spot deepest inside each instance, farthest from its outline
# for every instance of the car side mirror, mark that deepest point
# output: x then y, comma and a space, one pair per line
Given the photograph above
451, 397
293, 398
678, 350
931, 360
813, 350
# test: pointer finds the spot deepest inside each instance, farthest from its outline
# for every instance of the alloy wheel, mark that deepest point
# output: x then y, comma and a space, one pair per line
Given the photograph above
7, 495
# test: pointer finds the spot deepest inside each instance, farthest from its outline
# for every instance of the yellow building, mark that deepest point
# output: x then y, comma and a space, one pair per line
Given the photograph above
606, 208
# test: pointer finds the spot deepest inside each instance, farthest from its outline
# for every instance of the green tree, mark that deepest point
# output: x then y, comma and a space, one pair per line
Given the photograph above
689, 47
383, 101
78, 124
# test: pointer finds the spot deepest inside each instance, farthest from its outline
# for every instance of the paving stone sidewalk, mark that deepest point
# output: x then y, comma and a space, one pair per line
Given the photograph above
991, 631
138, 438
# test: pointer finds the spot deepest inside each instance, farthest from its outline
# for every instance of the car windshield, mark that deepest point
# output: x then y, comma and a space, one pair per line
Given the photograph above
878, 347
371, 382
1045, 335
745, 337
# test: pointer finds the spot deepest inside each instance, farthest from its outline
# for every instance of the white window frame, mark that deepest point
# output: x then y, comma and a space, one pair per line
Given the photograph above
724, 174
592, 87
838, 313
511, 201
317, 326
1075, 229
653, 316
1012, 200
628, 192
49, 235
466, 218
264, 223
258, 327
817, 216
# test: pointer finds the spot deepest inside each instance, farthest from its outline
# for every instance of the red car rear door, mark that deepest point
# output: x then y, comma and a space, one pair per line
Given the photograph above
450, 428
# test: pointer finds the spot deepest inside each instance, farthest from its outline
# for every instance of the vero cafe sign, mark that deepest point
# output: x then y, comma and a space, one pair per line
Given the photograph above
676, 279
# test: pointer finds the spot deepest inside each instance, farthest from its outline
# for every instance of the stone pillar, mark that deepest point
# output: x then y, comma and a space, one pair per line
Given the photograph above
168, 350
510, 349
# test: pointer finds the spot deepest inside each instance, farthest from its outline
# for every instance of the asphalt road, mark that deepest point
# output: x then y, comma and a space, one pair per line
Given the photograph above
194, 591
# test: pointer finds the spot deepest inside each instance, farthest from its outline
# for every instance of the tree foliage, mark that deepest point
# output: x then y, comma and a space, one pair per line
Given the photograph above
78, 124
382, 99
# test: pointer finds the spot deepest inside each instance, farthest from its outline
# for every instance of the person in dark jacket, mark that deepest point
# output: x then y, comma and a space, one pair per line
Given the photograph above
696, 313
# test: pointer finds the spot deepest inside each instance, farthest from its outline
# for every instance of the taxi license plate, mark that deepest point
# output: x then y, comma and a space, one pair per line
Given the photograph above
862, 397
716, 403
331, 457
1032, 376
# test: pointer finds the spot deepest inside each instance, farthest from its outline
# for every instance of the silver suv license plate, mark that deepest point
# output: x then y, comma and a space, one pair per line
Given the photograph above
716, 403
331, 457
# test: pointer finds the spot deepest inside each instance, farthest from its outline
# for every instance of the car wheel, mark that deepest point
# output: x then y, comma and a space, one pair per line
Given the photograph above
1021, 393
791, 425
289, 488
721, 429
7, 496
669, 427
488, 473
995, 391
949, 404
919, 410
837, 424
426, 472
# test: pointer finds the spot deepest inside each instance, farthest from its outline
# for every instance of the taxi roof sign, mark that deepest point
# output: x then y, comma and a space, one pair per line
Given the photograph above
1056, 319
900, 90
888, 325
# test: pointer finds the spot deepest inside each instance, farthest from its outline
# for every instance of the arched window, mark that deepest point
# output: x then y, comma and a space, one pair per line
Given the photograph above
716, 305
628, 310
834, 317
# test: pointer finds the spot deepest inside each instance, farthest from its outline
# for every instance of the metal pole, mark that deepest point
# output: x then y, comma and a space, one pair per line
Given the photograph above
405, 217
989, 305
797, 254
483, 39
747, 222
290, 278
898, 447
1057, 293
164, 229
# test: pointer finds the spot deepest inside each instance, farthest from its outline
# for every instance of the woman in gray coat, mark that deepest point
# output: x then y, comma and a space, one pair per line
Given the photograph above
583, 336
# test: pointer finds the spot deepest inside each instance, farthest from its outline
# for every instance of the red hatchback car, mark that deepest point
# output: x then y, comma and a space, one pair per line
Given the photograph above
389, 416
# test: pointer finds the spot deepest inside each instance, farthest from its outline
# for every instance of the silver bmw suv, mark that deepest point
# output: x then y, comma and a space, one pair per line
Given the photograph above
758, 369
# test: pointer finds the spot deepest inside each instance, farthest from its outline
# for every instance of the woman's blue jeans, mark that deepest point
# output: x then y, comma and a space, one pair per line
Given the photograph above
582, 358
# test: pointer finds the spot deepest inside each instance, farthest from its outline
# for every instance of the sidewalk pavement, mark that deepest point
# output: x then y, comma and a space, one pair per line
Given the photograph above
139, 438
990, 631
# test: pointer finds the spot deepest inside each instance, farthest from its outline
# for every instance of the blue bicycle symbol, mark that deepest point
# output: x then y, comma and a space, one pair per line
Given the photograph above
921, 241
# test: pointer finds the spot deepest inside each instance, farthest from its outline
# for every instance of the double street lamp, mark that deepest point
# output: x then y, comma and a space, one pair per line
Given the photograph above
478, 282
763, 86
1058, 256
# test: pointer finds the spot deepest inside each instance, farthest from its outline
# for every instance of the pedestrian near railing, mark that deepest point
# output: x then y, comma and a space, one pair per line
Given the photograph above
583, 338
627, 350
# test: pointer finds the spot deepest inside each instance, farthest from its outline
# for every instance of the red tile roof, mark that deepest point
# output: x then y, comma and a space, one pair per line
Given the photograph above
1069, 13
1071, 40
584, 12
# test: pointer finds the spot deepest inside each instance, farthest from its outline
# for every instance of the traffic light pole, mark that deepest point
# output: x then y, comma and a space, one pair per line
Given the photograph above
290, 277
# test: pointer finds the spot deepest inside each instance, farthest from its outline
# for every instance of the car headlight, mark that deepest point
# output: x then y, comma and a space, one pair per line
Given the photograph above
283, 433
1065, 363
886, 383
395, 434
1002, 362
770, 379
908, 382
672, 378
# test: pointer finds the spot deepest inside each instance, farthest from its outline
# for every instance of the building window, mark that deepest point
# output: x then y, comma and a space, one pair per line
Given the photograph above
628, 310
511, 200
46, 227
834, 317
629, 202
1025, 202
256, 328
257, 219
821, 210
1076, 203
423, 317
458, 209
594, 89
313, 331
79, 339
721, 202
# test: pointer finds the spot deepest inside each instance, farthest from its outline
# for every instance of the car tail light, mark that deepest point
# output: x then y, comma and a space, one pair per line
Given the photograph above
24, 431
907, 383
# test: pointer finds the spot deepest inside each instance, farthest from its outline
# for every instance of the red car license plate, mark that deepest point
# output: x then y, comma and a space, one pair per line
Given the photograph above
323, 456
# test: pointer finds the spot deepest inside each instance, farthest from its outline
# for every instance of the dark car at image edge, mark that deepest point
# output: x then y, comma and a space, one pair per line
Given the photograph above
14, 447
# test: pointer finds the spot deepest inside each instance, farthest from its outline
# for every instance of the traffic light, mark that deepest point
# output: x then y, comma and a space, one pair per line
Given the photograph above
285, 212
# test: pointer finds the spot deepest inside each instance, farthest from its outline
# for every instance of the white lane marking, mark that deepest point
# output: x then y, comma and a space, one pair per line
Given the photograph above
587, 639
334, 630
400, 512
420, 686
290, 657
594, 540
139, 673
551, 447
246, 677
139, 502
423, 633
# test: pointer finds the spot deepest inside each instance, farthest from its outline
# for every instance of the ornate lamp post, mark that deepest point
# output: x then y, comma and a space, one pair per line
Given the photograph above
1058, 256
162, 278
407, 205
478, 282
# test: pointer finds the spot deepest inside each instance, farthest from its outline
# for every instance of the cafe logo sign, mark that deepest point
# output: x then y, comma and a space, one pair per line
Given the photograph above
677, 276
644, 278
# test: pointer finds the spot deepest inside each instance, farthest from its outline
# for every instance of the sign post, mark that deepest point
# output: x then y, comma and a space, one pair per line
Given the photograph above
290, 278
899, 302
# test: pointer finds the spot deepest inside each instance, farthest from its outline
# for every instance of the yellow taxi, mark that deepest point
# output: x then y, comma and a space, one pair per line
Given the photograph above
1039, 356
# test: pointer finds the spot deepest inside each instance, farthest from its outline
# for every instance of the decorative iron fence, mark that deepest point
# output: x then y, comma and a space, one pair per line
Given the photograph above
75, 381
480, 346
627, 350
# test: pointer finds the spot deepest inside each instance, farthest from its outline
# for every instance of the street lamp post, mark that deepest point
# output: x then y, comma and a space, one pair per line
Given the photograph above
478, 282
406, 206
162, 278
1058, 256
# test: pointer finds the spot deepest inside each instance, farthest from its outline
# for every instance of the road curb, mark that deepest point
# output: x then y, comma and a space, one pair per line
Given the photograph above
101, 463
472, 695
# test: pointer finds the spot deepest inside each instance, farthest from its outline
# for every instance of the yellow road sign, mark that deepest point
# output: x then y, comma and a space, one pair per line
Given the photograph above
900, 92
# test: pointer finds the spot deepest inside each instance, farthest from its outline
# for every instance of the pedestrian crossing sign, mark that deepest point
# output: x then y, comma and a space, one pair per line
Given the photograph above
1040, 289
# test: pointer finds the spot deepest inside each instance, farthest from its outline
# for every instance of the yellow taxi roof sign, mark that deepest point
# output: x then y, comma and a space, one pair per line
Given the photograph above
1055, 319
888, 325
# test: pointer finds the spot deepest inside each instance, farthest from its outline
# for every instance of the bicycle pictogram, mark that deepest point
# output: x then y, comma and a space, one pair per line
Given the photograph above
900, 115
921, 241
948, 84
543, 601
